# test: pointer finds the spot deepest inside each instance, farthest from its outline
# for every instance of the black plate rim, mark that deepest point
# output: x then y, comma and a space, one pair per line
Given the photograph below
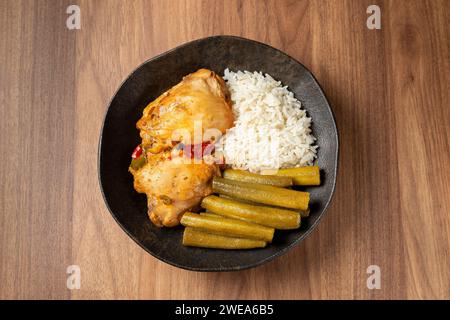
239, 267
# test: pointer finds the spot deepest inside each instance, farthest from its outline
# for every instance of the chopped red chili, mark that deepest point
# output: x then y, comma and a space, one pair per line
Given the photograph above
137, 152
192, 151
195, 149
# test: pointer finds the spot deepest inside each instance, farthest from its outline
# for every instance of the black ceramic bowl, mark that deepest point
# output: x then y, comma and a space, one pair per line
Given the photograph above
119, 137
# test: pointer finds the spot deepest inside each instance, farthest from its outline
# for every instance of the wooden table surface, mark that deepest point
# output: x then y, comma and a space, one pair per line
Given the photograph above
389, 90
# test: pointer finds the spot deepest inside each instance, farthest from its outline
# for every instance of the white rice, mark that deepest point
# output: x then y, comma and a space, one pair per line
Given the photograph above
271, 130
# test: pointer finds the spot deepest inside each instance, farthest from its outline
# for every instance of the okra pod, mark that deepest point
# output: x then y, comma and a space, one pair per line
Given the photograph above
242, 175
267, 216
227, 227
261, 193
303, 213
197, 238
210, 214
302, 176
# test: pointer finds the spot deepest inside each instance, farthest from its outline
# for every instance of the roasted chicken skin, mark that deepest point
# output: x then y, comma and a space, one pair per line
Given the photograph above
202, 97
175, 185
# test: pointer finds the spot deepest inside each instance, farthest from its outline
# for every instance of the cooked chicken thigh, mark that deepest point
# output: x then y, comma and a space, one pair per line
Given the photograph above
201, 96
174, 185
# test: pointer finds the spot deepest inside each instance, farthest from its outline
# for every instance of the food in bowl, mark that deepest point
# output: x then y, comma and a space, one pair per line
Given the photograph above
222, 158
172, 184
271, 130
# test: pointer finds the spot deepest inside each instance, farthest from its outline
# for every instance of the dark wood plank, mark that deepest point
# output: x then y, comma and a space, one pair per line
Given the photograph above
419, 91
37, 55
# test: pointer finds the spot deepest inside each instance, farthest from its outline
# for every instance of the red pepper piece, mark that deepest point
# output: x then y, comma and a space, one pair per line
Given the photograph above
194, 151
137, 152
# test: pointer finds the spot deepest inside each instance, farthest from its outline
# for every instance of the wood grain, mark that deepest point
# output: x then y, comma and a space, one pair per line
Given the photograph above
389, 90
